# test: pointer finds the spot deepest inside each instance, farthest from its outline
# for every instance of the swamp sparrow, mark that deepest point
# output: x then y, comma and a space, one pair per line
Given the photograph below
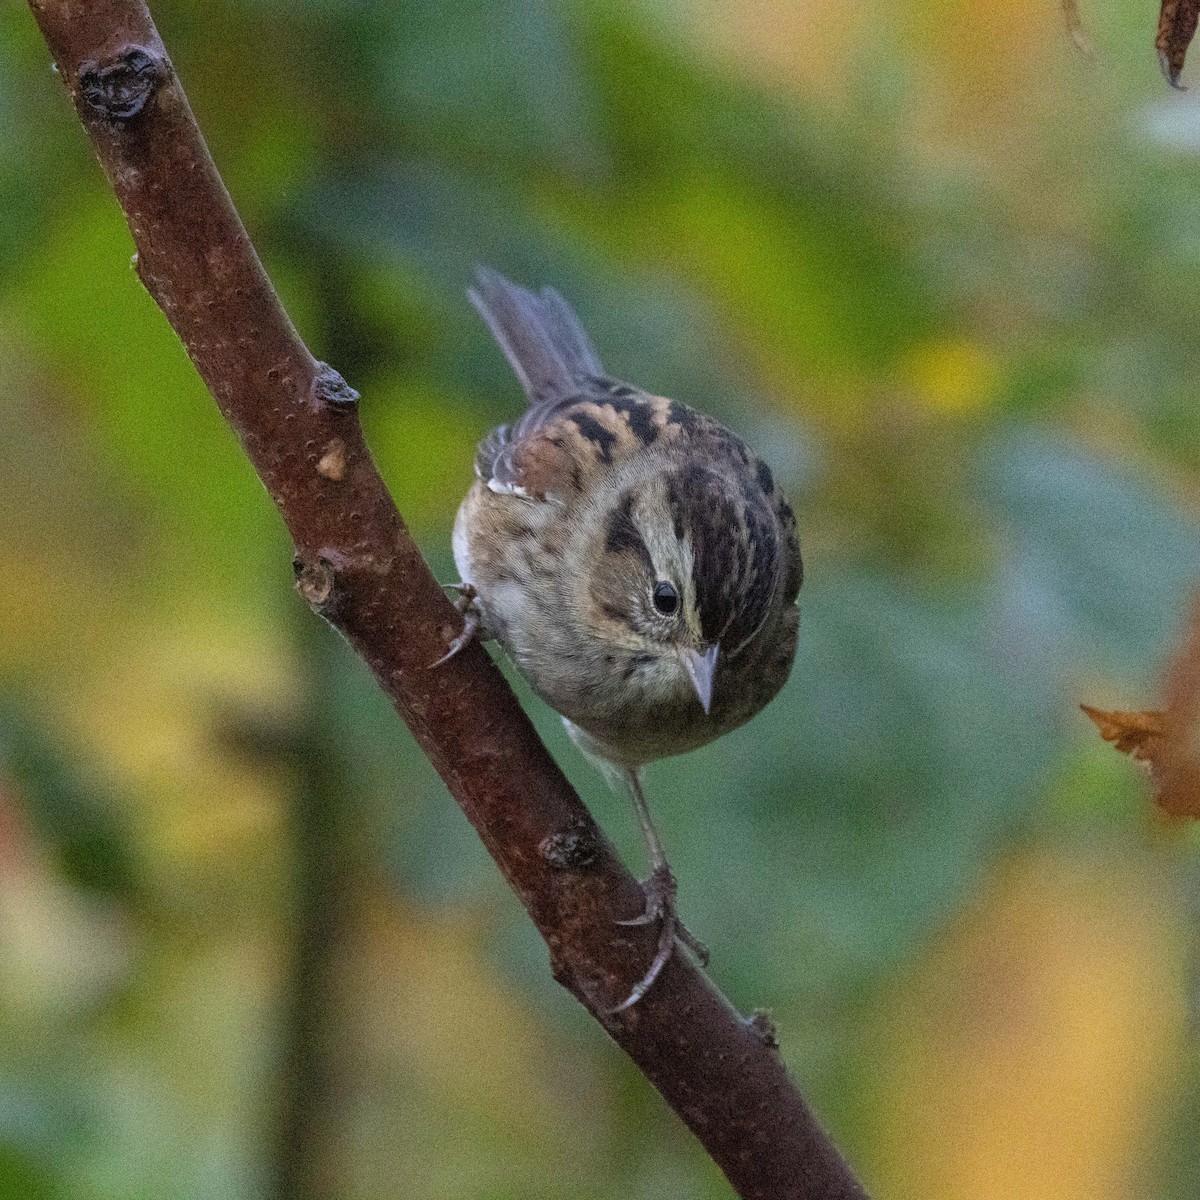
631, 555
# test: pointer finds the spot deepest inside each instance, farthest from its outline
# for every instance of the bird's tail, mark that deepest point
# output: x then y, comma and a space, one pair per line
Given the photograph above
541, 336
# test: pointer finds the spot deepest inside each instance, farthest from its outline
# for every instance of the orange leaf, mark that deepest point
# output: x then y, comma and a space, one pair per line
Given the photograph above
1138, 734
1168, 742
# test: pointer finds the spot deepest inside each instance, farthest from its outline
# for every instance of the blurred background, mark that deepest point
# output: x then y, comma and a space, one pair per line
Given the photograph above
942, 271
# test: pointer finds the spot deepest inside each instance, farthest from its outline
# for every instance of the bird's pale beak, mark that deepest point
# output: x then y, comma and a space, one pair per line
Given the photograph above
701, 666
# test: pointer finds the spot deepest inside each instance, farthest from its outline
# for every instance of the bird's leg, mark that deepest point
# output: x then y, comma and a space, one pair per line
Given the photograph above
659, 890
472, 622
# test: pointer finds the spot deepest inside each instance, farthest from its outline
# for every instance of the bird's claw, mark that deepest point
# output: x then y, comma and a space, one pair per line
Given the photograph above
660, 890
471, 622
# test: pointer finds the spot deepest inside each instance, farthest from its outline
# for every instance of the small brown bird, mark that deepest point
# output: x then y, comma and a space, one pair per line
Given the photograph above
631, 555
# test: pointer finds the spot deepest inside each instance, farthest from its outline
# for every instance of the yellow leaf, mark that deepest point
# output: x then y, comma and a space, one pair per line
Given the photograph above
951, 376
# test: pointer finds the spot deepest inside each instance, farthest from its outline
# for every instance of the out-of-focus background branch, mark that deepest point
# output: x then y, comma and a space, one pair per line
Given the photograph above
944, 272
329, 857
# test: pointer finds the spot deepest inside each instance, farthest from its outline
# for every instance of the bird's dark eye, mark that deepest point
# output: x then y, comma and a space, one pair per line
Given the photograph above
666, 598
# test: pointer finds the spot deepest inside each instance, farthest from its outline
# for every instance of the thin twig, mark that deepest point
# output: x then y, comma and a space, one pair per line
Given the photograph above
1077, 30
358, 567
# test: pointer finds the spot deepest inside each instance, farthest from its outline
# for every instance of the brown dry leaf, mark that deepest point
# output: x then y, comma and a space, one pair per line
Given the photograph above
1176, 28
1138, 734
1167, 742
1179, 779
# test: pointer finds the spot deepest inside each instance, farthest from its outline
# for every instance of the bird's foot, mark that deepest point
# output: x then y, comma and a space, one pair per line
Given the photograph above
472, 622
660, 890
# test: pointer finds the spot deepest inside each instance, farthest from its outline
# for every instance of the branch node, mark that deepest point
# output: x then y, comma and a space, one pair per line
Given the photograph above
762, 1025
120, 88
572, 849
315, 582
328, 387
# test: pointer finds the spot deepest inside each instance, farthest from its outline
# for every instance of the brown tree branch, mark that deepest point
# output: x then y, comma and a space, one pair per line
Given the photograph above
358, 567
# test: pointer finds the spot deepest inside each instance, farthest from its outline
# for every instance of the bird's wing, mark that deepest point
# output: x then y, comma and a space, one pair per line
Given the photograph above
581, 422
558, 447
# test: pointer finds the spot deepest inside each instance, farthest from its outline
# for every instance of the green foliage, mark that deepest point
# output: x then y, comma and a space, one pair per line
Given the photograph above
71, 810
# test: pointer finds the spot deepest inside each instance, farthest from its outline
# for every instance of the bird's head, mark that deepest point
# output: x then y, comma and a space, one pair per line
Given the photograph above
685, 566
